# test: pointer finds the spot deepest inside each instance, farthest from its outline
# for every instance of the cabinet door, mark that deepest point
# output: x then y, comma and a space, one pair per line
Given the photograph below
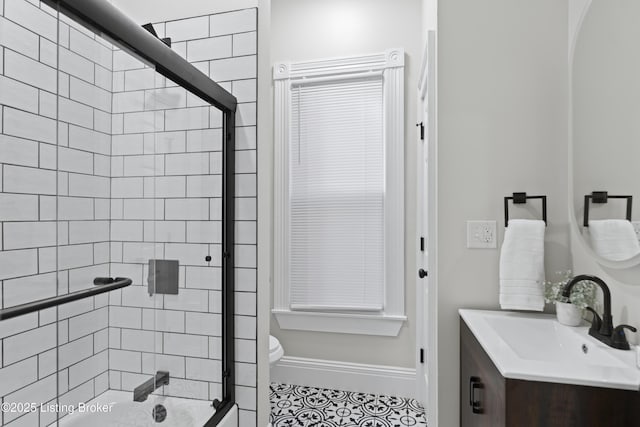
468, 370
482, 388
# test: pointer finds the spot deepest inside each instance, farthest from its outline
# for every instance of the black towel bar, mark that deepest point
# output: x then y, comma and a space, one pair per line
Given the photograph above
30, 307
601, 197
521, 198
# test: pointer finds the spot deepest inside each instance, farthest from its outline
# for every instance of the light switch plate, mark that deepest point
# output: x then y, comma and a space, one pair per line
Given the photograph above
481, 234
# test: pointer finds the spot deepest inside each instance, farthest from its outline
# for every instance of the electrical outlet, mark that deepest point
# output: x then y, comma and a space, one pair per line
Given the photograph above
481, 234
636, 227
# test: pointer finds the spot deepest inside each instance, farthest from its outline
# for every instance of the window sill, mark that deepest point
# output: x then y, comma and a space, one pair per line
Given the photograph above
362, 324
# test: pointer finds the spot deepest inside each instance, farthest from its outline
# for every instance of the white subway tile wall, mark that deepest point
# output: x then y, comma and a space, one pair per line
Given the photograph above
105, 164
52, 120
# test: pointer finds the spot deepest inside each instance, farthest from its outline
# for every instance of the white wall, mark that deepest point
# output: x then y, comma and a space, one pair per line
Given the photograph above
307, 29
429, 17
144, 11
502, 127
265, 184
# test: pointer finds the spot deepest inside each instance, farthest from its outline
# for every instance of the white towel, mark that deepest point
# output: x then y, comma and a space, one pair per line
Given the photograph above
614, 239
522, 266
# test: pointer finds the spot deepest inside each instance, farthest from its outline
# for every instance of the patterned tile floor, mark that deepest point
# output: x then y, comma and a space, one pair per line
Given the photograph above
299, 406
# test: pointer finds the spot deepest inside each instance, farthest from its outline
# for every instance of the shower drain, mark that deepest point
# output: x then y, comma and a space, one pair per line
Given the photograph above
159, 413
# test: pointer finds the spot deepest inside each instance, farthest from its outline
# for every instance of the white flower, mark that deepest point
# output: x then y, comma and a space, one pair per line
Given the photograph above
583, 294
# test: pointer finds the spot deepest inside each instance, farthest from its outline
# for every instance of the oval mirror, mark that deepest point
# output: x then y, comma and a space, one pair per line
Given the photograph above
605, 127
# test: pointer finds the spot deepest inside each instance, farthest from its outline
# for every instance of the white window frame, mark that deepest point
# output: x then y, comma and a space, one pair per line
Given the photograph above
388, 321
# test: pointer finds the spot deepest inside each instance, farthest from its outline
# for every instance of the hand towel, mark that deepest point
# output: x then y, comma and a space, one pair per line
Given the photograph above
522, 266
614, 239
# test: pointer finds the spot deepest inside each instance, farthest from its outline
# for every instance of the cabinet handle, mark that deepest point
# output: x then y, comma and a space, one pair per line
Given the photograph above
472, 380
476, 405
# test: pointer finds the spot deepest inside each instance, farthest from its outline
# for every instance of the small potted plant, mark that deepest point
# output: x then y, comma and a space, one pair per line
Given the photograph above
570, 310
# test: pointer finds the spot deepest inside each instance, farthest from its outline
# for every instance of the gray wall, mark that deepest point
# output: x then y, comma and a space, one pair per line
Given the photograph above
307, 29
502, 125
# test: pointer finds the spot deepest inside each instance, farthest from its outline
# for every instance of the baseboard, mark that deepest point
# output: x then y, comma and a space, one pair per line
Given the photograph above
357, 377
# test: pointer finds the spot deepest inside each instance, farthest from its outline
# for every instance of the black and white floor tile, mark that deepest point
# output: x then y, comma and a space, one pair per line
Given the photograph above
300, 406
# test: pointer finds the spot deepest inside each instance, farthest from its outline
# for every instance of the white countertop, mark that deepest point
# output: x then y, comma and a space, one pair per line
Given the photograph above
534, 346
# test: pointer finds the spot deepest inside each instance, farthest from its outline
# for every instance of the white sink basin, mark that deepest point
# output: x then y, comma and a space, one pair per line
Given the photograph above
536, 347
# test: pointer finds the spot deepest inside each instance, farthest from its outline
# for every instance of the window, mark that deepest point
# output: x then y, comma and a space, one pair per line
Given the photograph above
339, 236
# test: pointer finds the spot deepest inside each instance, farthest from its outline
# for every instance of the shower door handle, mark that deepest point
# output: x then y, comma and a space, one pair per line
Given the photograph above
101, 285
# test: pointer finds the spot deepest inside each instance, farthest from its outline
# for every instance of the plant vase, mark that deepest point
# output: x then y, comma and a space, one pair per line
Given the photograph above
568, 314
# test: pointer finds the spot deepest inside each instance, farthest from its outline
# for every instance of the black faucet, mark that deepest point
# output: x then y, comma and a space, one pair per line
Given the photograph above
141, 392
602, 328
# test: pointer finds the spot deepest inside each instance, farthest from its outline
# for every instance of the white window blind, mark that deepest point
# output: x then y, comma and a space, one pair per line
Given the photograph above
337, 195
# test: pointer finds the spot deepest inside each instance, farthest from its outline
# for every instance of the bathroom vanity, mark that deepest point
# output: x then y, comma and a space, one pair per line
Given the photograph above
524, 370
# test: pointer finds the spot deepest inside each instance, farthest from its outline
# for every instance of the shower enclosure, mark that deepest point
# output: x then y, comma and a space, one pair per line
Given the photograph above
116, 224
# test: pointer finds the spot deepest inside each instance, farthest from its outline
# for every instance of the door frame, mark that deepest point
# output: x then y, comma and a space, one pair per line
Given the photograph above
427, 311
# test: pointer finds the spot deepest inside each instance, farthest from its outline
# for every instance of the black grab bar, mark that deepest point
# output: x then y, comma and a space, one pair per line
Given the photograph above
99, 288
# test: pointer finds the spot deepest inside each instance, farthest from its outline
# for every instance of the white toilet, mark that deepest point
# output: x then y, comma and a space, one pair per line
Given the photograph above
275, 353
275, 350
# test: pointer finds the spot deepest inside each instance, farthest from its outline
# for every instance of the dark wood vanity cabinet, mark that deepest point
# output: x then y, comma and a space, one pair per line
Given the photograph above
487, 399
482, 388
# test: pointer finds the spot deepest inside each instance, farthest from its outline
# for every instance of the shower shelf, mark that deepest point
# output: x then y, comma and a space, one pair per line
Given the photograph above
19, 310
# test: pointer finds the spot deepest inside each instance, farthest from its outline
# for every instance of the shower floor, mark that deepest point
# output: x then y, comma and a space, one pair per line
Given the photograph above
298, 406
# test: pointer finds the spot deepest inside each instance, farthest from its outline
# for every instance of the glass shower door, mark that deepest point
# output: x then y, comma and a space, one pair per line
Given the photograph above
107, 170
84, 189
134, 339
188, 227
171, 151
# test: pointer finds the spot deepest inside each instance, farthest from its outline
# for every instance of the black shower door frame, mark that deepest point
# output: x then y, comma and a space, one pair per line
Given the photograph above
106, 20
